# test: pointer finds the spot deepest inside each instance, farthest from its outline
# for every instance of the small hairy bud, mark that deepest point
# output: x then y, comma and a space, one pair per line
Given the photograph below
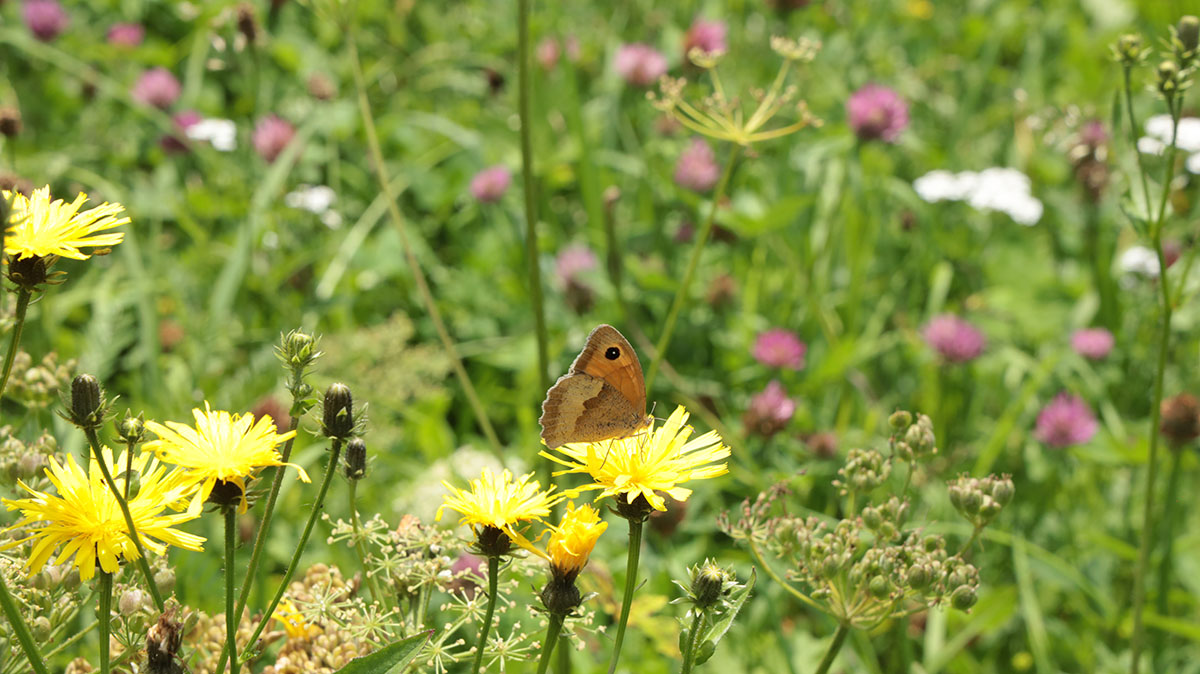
1187, 38
1168, 78
356, 459
132, 429
338, 418
1128, 49
709, 584
87, 402
900, 420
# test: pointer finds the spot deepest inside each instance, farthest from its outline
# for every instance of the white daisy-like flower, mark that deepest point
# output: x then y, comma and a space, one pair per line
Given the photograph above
220, 133
312, 198
1139, 260
994, 189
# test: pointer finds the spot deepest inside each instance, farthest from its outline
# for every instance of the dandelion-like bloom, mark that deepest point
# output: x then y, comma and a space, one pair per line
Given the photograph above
697, 168
955, 340
1093, 343
1066, 421
85, 519
640, 64
501, 503
705, 35
223, 447
769, 411
877, 113
780, 348
648, 464
44, 227
157, 87
491, 183
572, 541
46, 19
126, 34
271, 135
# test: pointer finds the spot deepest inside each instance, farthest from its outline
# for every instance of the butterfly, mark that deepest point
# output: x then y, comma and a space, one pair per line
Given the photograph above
602, 396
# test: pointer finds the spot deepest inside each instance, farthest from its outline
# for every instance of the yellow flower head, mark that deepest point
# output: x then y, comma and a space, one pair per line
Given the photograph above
293, 622
41, 227
85, 519
501, 503
647, 464
573, 540
223, 447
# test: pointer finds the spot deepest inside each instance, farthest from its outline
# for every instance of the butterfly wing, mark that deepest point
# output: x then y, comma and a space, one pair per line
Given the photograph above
608, 355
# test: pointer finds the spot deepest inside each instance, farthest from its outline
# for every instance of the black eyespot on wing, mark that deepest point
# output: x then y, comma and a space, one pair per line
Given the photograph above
612, 353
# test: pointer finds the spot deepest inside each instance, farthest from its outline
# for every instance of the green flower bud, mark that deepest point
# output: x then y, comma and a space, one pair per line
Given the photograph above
40, 628
963, 598
900, 420
880, 587
708, 584
918, 578
356, 459
132, 429
872, 518
338, 418
87, 402
1168, 78
297, 349
1187, 32
1128, 49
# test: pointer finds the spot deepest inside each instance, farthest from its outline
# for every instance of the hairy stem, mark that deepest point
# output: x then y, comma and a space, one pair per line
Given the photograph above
231, 623
493, 576
631, 567
23, 297
552, 632
104, 615
689, 649
836, 645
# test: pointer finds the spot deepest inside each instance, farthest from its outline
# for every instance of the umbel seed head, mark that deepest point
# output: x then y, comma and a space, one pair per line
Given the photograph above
338, 418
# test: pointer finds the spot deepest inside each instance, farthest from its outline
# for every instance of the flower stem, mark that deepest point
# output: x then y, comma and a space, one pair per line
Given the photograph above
1170, 511
838, 639
531, 238
20, 629
681, 294
23, 297
105, 618
330, 468
775, 577
260, 538
231, 622
143, 565
1147, 535
493, 575
385, 186
689, 651
631, 566
552, 632
360, 547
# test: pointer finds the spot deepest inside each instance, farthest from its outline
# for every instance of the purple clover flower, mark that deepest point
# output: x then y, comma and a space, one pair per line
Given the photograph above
491, 183
157, 87
955, 340
780, 348
640, 64
877, 112
1092, 343
697, 168
271, 135
1066, 421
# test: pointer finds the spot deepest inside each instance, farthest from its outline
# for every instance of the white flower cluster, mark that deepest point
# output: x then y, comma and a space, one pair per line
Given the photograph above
317, 199
994, 189
1139, 260
1187, 139
221, 133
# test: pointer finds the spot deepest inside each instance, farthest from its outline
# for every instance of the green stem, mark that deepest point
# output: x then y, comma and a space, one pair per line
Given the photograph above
20, 629
385, 186
23, 297
681, 294
105, 618
531, 240
775, 577
493, 575
128, 468
552, 632
261, 537
838, 639
330, 468
360, 546
143, 565
1170, 512
1147, 534
231, 622
69, 641
1133, 138
631, 567
564, 654
689, 649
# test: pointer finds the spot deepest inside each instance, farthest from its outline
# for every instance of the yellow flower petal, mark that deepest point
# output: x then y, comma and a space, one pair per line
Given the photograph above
42, 227
501, 503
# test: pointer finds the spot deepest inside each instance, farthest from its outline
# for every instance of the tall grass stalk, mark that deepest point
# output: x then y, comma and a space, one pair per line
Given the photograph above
385, 185
1155, 225
531, 239
681, 294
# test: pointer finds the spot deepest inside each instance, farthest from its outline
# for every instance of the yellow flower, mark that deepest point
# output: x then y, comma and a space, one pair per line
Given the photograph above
85, 519
293, 622
223, 447
572, 541
41, 227
501, 504
647, 463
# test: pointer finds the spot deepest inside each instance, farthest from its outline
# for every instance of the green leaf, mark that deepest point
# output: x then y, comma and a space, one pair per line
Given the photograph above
712, 636
393, 656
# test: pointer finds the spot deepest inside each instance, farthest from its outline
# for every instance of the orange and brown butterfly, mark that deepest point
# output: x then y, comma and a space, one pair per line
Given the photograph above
602, 396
